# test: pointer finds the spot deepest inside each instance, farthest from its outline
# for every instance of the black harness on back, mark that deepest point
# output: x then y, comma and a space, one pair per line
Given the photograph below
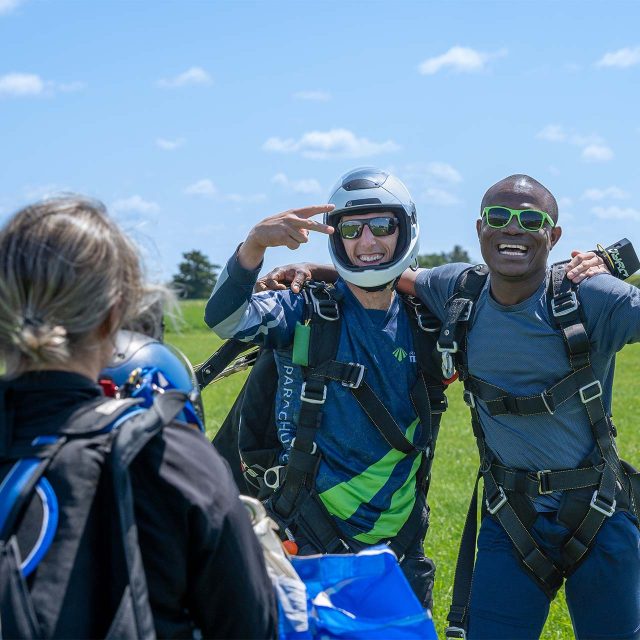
292, 499
110, 434
601, 485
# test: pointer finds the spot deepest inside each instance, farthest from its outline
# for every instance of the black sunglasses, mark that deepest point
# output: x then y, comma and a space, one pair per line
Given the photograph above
381, 226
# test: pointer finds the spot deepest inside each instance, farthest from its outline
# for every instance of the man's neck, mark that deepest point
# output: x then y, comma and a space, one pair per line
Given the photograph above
372, 299
508, 292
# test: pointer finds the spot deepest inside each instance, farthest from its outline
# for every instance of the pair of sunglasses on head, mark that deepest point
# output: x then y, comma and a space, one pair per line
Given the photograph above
499, 217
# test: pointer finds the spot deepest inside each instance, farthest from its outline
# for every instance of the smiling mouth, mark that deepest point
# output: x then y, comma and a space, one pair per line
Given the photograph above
370, 258
512, 250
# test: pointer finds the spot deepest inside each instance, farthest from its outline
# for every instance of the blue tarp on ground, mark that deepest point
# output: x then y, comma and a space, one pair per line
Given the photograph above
362, 596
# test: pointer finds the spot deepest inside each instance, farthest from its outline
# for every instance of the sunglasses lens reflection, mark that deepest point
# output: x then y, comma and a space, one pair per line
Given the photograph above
531, 220
498, 217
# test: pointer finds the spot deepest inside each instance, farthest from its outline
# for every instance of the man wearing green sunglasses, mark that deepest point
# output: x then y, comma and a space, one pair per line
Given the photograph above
524, 351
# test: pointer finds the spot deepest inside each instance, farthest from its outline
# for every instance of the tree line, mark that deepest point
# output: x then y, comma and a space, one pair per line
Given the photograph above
197, 275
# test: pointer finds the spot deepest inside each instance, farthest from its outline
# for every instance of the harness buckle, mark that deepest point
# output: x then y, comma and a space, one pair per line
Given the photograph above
423, 322
448, 367
596, 503
314, 448
564, 304
358, 381
468, 398
588, 398
455, 632
305, 398
275, 483
497, 504
546, 403
326, 309
543, 482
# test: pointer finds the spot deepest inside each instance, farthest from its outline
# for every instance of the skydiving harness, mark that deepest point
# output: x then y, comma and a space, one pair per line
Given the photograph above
294, 502
116, 430
600, 486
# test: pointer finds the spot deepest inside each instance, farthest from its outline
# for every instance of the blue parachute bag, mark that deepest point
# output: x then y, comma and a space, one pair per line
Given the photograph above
357, 596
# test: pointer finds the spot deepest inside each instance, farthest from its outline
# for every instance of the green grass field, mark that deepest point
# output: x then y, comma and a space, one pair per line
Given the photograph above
455, 465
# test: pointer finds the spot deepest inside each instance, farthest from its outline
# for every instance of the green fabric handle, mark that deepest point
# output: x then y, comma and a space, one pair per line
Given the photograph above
301, 345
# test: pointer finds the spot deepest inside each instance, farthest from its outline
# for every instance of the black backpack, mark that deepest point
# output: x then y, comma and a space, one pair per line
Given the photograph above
101, 441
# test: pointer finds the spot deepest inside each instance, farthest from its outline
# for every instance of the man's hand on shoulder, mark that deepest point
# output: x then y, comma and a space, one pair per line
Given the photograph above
584, 264
287, 229
294, 276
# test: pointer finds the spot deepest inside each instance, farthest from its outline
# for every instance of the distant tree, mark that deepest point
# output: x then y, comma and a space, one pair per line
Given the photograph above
458, 254
196, 276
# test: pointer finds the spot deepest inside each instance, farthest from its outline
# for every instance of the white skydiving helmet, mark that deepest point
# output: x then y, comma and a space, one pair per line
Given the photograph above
370, 190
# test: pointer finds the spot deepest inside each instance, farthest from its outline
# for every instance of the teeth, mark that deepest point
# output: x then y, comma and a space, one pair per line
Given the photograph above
374, 257
512, 246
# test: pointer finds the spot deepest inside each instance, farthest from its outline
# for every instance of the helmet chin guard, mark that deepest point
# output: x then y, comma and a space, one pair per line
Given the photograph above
371, 190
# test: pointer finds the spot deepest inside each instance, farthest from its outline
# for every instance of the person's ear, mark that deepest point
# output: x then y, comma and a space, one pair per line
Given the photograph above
556, 233
478, 226
112, 321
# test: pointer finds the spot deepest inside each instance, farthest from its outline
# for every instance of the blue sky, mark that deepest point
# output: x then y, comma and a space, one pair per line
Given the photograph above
193, 120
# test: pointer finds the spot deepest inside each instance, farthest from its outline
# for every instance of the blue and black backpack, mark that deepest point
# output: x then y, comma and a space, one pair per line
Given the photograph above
92, 455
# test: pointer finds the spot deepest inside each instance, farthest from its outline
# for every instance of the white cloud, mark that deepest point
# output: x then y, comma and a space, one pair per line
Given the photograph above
314, 96
552, 133
444, 172
594, 148
9, 5
597, 153
250, 198
617, 213
192, 76
440, 197
327, 144
306, 185
203, 187
169, 145
462, 59
613, 193
135, 204
622, 58
21, 84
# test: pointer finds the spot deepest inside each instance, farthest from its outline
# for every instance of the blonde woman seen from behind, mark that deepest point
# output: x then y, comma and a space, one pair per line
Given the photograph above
69, 280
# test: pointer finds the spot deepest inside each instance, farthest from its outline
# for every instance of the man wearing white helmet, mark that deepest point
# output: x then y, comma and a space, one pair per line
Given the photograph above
356, 482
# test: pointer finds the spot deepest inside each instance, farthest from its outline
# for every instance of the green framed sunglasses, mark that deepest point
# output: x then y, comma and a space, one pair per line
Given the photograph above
498, 217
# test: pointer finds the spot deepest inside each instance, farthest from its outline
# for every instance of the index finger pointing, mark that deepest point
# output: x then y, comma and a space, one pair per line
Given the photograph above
313, 210
314, 225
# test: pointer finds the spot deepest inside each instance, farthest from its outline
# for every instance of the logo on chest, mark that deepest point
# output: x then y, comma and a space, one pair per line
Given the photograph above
400, 354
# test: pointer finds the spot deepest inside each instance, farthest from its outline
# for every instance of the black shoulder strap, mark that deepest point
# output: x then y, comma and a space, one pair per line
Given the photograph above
134, 610
453, 334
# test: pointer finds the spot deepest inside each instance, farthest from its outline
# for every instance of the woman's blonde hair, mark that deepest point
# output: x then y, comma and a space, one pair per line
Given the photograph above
64, 265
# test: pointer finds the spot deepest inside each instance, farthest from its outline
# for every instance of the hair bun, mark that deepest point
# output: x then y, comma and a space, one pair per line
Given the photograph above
41, 342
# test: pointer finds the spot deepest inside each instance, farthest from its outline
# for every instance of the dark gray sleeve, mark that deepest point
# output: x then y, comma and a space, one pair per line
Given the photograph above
199, 551
611, 309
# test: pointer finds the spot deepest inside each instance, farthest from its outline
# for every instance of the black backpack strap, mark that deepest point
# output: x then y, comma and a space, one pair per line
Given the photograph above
453, 334
321, 331
131, 438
